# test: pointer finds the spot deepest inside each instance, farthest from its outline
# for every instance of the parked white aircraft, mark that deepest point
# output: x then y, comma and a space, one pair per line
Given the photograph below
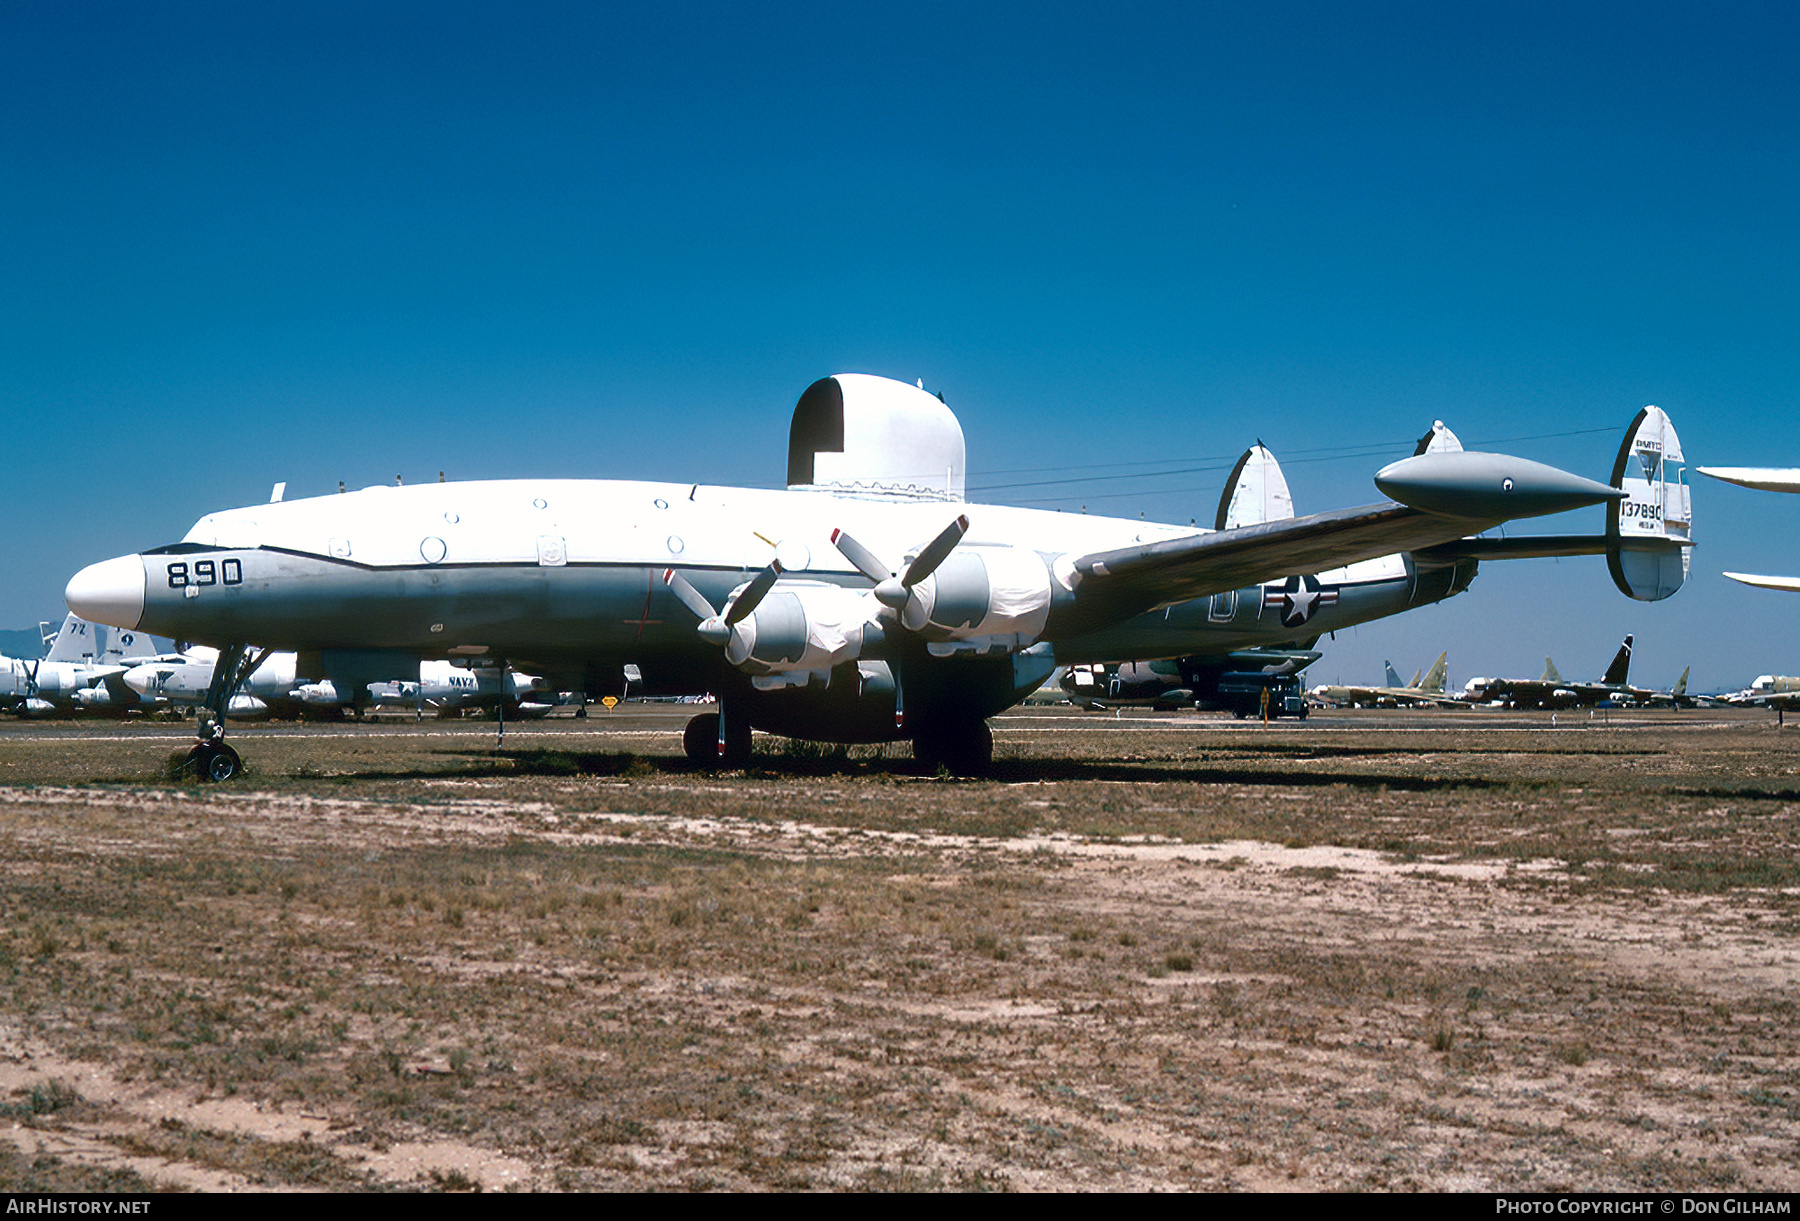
1767, 479
184, 681
78, 670
866, 602
275, 687
448, 688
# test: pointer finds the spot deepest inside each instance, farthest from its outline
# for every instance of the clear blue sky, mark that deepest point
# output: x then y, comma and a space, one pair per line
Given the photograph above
250, 243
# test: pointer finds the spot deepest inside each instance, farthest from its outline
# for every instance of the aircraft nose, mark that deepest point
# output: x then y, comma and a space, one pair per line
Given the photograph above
110, 592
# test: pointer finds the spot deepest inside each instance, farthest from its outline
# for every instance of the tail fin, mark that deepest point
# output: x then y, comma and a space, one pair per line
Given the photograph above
1649, 532
1680, 688
1255, 492
1435, 677
1621, 666
125, 647
1393, 679
75, 642
1438, 440
1550, 674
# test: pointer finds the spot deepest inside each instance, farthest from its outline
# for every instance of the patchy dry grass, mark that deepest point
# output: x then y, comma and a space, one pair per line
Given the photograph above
1386, 953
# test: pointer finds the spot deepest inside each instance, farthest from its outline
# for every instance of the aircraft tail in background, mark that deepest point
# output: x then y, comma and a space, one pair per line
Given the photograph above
1621, 666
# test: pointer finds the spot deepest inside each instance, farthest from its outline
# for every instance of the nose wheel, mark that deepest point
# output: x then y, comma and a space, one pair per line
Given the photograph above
214, 762
211, 760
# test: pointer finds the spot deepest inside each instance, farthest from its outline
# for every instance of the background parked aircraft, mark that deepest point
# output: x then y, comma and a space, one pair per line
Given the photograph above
1422, 691
80, 669
1553, 690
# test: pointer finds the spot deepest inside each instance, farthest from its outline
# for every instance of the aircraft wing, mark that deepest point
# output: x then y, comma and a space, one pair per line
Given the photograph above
1441, 497
1763, 478
1175, 570
1792, 584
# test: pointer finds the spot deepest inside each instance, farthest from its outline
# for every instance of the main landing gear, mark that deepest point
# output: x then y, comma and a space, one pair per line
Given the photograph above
211, 759
959, 747
707, 747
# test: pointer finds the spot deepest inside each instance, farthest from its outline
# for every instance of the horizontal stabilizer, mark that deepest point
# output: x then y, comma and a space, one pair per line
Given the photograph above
1763, 478
1523, 547
1791, 584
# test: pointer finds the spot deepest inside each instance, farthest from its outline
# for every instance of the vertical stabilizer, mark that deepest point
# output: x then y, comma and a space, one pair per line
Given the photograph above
1679, 691
1649, 532
75, 642
1255, 492
1550, 674
125, 647
1435, 677
1438, 440
1621, 666
1393, 679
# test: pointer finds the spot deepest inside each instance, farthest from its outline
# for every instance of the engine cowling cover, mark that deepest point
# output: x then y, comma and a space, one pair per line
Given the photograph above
801, 630
994, 597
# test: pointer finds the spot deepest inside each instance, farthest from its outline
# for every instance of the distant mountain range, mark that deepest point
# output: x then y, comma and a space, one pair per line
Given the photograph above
24, 642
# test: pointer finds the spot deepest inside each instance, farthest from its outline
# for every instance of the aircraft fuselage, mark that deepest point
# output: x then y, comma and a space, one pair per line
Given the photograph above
565, 578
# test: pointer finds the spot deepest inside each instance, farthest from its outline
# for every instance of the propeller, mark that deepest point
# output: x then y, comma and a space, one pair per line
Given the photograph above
716, 629
895, 591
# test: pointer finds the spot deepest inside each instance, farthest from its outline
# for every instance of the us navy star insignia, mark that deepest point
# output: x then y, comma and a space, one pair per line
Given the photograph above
1298, 599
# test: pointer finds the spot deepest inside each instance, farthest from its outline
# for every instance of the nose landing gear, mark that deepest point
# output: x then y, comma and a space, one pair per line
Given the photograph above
211, 760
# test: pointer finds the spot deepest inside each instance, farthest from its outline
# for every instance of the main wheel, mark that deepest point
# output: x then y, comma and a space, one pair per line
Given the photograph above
962, 749
701, 742
701, 739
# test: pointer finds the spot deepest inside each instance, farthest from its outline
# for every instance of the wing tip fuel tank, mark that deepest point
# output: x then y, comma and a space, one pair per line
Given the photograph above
1488, 486
110, 592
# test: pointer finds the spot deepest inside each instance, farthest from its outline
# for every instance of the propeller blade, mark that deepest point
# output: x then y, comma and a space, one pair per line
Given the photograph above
754, 593
713, 629
865, 560
690, 597
936, 552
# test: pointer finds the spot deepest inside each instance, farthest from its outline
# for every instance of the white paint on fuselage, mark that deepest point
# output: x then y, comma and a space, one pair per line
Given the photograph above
653, 524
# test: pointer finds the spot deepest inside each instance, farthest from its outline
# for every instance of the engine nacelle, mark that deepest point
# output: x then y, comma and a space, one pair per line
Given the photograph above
246, 708
322, 694
981, 599
799, 632
100, 696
